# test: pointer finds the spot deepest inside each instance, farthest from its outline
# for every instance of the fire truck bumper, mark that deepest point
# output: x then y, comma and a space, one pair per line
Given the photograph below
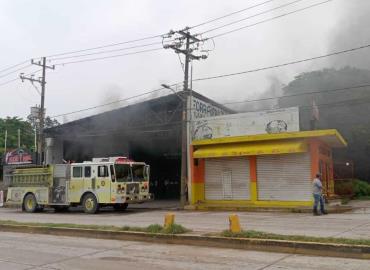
135, 198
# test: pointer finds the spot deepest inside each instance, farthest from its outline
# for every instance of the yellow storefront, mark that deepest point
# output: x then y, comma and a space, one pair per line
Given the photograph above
267, 170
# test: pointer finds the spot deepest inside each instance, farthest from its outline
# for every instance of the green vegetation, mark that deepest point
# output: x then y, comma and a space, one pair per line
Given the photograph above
12, 124
361, 189
347, 111
154, 228
300, 238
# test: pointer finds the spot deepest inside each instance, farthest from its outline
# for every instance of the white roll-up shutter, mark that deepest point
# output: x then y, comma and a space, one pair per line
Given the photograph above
227, 179
284, 177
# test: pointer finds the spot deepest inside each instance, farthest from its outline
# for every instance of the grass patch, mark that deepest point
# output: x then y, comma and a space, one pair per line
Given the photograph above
153, 228
300, 238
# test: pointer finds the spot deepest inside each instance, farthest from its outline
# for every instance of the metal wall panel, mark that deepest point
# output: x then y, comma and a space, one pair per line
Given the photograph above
284, 177
218, 172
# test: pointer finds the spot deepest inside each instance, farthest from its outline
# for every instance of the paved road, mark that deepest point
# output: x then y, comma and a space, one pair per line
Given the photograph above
41, 252
352, 225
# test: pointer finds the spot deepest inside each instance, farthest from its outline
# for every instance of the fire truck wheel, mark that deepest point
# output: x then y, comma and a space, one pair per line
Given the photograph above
90, 204
120, 206
30, 203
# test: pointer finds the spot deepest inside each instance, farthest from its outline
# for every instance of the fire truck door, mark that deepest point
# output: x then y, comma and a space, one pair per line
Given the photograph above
103, 184
76, 186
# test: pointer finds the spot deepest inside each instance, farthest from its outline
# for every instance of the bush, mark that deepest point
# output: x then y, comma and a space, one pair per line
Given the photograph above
361, 188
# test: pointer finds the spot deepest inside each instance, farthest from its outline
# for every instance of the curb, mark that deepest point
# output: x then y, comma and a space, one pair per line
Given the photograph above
281, 246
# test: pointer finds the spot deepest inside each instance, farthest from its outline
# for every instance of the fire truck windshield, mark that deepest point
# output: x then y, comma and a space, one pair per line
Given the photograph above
127, 173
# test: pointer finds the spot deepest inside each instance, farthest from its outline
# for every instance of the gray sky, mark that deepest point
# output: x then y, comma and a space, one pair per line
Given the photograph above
33, 28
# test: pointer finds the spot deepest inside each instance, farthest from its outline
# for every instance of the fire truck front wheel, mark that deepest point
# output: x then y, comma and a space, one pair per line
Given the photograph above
90, 204
30, 203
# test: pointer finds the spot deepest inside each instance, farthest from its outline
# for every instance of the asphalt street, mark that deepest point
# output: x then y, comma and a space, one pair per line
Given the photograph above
41, 252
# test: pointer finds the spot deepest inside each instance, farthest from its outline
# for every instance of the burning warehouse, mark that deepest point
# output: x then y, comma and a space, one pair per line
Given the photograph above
148, 131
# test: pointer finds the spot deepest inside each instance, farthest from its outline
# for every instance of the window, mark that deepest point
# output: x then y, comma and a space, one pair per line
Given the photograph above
113, 177
87, 171
103, 171
123, 173
77, 172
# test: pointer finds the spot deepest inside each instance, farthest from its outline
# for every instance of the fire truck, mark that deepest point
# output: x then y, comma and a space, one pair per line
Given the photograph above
113, 181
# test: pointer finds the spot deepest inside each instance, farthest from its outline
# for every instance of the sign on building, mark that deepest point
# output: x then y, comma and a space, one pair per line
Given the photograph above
250, 123
200, 109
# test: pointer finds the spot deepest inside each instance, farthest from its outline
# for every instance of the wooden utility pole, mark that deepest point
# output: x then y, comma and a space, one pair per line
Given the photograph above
42, 82
188, 52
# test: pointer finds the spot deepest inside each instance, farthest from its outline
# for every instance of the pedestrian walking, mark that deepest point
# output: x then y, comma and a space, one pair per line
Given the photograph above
318, 196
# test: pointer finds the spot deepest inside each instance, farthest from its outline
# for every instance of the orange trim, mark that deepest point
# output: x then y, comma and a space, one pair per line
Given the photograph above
253, 168
314, 151
198, 172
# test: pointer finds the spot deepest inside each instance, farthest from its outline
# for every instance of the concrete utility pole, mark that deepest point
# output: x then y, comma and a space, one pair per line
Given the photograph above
177, 46
42, 82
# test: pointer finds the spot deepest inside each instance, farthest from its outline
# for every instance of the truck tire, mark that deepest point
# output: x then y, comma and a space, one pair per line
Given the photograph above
30, 203
90, 204
120, 206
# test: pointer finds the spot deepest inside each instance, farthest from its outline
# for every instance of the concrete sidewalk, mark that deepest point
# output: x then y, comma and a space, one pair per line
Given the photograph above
355, 224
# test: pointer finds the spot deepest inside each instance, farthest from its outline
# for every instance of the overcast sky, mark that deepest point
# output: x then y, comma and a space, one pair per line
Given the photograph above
34, 28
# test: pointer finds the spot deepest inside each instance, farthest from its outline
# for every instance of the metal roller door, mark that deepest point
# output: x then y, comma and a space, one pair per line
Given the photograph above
227, 179
284, 177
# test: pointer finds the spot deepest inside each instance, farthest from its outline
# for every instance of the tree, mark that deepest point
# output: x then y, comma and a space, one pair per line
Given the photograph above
11, 125
346, 110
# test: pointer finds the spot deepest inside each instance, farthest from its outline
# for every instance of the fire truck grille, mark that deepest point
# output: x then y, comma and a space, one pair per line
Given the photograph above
132, 188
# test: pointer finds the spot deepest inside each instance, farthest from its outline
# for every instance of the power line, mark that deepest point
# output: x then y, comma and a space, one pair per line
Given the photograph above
106, 51
16, 79
252, 16
300, 94
107, 57
112, 102
10, 81
230, 14
270, 19
284, 64
14, 71
105, 46
16, 65
350, 102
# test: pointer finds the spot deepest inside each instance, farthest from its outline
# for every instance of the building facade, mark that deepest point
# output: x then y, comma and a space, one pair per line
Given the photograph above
265, 170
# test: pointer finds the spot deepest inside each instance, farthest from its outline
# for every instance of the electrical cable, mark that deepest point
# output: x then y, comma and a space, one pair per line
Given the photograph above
300, 94
270, 19
106, 57
105, 46
229, 14
230, 74
112, 102
14, 71
252, 16
16, 65
102, 52
284, 64
16, 79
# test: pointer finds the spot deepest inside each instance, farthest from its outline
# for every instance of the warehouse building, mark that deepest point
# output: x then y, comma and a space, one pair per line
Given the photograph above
148, 131
264, 170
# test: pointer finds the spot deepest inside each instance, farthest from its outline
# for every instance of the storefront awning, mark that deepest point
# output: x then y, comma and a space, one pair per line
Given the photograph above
250, 149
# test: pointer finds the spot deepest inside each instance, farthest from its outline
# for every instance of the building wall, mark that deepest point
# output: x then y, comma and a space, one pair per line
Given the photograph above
319, 152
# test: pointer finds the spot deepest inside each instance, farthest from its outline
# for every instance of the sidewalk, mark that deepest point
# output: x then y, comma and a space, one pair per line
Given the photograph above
355, 224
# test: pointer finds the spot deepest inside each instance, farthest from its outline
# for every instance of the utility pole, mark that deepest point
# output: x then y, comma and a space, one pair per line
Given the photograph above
42, 82
182, 45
